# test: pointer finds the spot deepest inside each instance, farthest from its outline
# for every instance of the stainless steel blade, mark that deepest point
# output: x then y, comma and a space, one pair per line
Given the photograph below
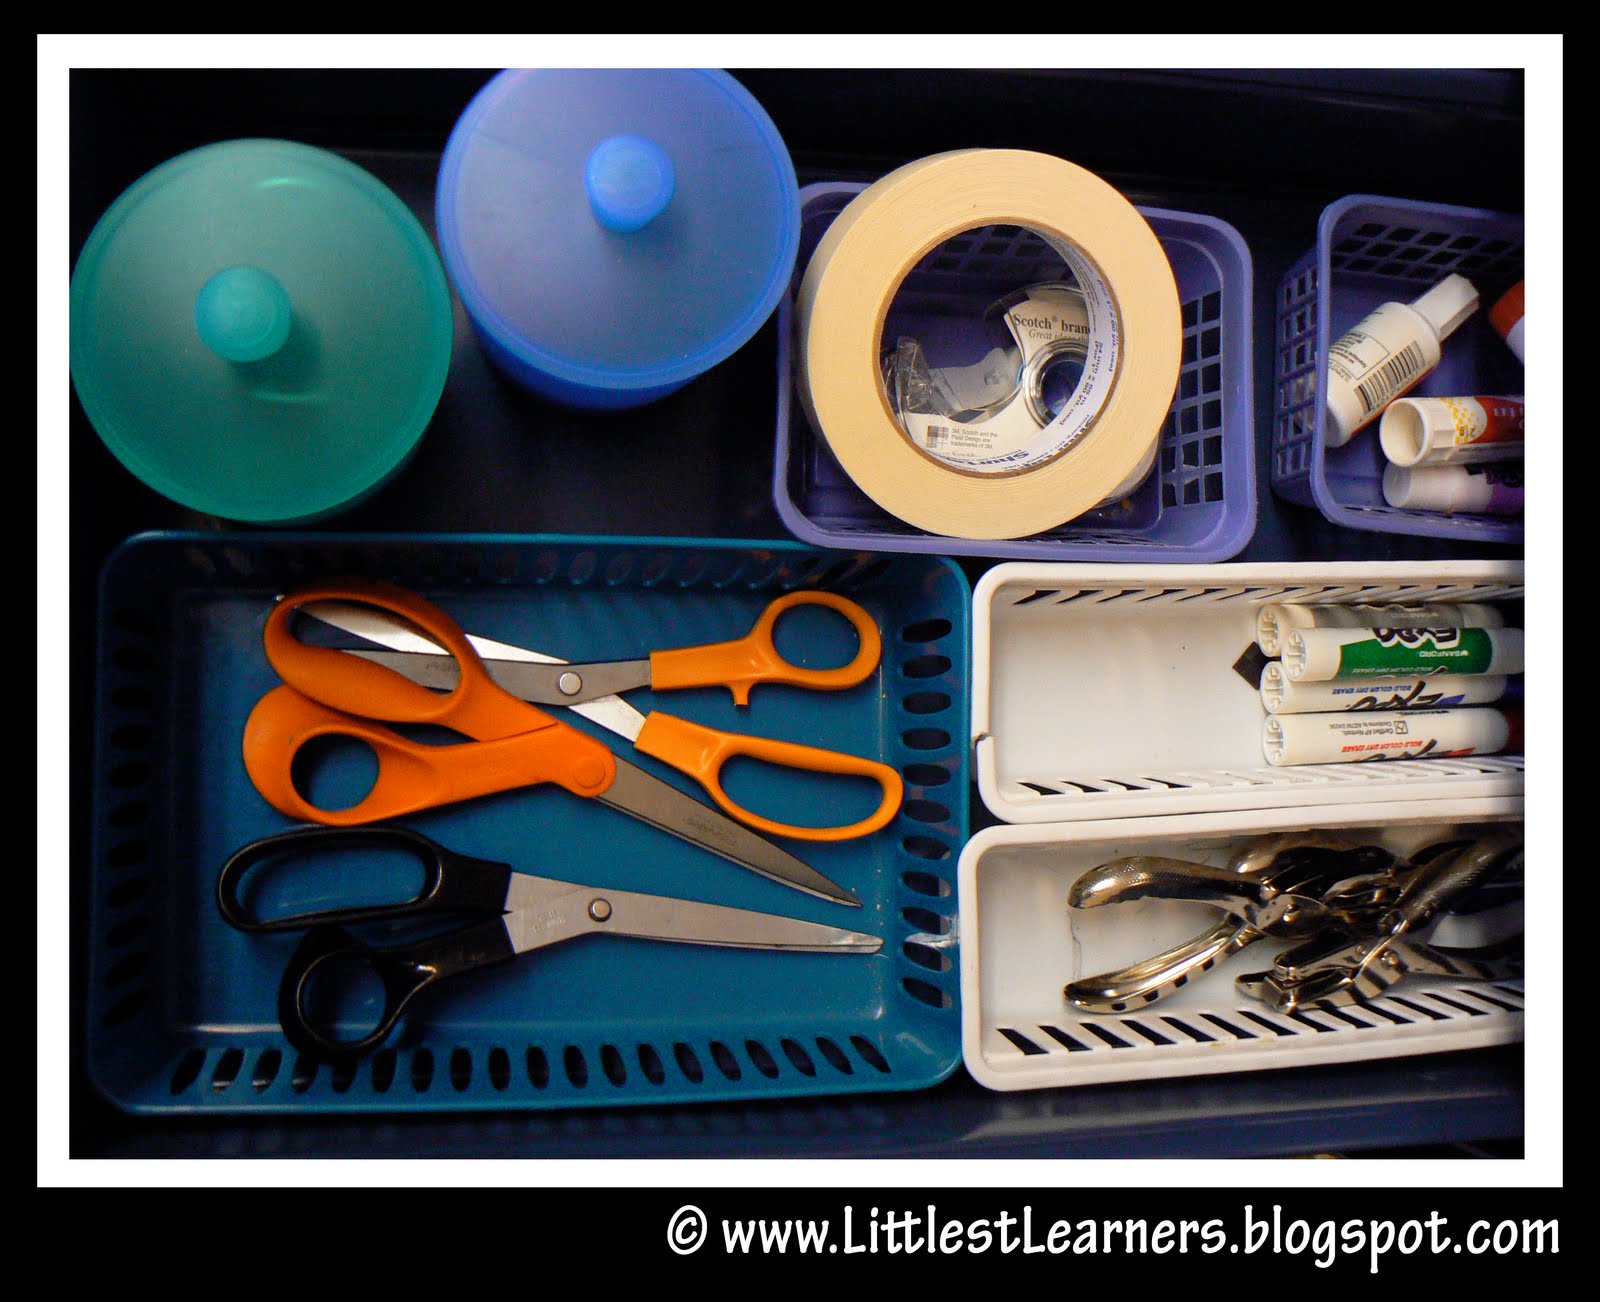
410, 652
575, 910
662, 805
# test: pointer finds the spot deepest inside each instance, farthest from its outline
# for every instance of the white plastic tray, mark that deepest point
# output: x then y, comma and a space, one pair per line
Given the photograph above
1109, 691
1020, 945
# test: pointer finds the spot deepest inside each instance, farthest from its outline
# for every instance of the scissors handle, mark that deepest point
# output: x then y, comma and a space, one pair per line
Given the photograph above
412, 776
451, 881
477, 706
332, 957
754, 658
702, 752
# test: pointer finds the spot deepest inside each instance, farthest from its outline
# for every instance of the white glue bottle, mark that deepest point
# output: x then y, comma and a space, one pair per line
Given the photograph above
1388, 352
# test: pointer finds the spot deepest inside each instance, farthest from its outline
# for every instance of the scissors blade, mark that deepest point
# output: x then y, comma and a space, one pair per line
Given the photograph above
662, 805
525, 674
576, 910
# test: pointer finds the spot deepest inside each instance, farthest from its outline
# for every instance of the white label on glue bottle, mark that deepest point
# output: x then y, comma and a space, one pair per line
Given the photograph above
1387, 352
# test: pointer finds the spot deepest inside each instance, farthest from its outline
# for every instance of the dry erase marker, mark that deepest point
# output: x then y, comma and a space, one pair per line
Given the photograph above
1345, 738
1314, 655
1438, 692
1275, 619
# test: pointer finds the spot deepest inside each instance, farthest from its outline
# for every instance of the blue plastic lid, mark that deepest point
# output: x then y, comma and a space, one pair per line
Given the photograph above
616, 231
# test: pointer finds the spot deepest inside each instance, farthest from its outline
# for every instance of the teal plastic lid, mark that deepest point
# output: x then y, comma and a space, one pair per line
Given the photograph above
613, 233
260, 330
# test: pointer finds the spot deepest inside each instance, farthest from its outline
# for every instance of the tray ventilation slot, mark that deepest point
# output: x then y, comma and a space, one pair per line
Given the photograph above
1178, 1032
811, 1058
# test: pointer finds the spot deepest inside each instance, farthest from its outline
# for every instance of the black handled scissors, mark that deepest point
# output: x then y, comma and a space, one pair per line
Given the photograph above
524, 913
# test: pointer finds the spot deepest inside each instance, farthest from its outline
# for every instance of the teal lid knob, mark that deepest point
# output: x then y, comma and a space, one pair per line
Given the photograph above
629, 181
243, 314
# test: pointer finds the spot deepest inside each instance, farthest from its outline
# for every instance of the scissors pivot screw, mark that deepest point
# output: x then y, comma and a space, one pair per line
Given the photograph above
570, 683
599, 910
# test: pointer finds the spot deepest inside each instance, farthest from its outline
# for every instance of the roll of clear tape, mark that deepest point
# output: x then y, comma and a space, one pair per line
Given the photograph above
1106, 434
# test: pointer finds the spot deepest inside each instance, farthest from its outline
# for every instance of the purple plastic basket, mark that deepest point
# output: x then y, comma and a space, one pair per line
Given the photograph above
1371, 250
1197, 505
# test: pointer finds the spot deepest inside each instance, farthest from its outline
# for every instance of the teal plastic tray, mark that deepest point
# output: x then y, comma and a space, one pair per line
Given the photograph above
182, 1008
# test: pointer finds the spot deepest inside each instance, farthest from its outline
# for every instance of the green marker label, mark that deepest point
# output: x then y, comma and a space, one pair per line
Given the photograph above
1418, 650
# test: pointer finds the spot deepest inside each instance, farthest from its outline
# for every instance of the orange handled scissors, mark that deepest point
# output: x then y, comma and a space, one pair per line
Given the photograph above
330, 692
691, 748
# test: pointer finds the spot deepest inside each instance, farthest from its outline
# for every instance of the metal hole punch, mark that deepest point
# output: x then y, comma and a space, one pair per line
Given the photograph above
1286, 886
1392, 945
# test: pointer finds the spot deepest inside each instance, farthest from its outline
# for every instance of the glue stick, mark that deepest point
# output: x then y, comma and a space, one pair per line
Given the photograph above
1445, 431
1493, 488
1407, 734
1387, 352
1506, 318
1438, 692
1315, 655
1274, 620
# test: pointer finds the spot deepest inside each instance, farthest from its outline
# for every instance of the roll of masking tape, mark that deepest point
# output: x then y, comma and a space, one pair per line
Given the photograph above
1096, 444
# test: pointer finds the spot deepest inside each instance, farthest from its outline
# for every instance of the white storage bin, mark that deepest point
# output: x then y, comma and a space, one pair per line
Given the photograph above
1109, 692
1021, 944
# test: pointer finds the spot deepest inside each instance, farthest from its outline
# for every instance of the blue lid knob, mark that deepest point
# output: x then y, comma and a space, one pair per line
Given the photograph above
629, 181
243, 314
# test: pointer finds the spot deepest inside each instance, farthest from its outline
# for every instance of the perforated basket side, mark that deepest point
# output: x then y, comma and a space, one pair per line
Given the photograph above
145, 1056
1371, 250
1018, 1031
1199, 503
1069, 621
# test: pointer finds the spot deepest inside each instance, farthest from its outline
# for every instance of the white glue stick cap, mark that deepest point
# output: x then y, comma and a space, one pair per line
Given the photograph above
1448, 304
1448, 488
1410, 427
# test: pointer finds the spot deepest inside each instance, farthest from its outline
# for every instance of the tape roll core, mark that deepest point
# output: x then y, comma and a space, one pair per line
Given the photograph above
865, 256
